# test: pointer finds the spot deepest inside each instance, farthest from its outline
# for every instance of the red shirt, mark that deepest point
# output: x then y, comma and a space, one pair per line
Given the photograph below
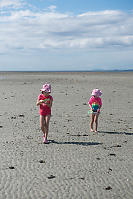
44, 109
94, 100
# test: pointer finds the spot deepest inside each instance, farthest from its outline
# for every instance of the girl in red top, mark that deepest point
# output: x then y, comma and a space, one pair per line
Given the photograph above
45, 101
95, 104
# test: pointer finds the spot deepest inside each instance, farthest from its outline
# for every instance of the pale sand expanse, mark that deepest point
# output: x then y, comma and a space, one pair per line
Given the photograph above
77, 164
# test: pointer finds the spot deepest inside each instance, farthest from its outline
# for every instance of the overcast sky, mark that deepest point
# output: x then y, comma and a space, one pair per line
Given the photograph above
66, 35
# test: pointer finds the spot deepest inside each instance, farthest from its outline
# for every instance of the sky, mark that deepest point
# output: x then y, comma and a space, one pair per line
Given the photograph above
57, 35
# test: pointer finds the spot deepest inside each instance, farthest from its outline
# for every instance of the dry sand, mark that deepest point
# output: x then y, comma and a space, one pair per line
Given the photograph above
77, 164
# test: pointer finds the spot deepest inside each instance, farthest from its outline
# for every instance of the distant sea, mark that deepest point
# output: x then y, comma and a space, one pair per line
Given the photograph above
128, 70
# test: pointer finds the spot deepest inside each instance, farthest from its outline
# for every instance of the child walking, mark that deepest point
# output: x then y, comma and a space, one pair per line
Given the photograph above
95, 104
45, 102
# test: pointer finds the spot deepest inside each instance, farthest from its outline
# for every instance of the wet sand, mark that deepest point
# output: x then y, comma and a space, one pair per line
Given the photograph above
76, 164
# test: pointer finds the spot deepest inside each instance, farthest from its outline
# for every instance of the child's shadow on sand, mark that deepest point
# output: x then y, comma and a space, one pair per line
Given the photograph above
114, 132
77, 143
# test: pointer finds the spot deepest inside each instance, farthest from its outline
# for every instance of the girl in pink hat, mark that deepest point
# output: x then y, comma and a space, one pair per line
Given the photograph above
95, 104
45, 102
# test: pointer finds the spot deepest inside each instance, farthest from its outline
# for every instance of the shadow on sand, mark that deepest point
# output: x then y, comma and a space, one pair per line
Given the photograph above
115, 132
77, 143
79, 135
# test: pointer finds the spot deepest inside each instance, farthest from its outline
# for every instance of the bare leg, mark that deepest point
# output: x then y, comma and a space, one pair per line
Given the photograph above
96, 122
92, 121
42, 124
47, 119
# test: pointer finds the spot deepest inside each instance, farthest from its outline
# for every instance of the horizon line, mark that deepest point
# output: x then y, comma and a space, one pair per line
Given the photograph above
102, 70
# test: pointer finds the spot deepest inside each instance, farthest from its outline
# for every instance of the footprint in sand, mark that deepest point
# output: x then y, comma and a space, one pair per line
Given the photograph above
42, 161
11, 167
51, 177
108, 188
21, 115
112, 154
13, 117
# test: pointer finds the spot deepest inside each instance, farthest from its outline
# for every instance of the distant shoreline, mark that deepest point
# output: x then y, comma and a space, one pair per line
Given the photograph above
130, 70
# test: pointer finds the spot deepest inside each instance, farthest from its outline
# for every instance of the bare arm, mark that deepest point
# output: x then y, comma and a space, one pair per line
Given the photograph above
49, 104
100, 106
90, 106
45, 102
39, 102
98, 110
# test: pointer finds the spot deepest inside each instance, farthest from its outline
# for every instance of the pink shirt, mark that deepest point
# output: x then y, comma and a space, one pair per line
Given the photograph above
44, 109
94, 100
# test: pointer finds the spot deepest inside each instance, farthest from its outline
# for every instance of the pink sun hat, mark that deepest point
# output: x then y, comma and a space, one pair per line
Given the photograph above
46, 88
96, 92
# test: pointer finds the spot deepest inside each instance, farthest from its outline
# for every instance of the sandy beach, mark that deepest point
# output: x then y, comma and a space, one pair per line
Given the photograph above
76, 164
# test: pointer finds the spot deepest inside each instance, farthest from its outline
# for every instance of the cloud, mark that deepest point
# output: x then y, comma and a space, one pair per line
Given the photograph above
52, 8
25, 29
5, 4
